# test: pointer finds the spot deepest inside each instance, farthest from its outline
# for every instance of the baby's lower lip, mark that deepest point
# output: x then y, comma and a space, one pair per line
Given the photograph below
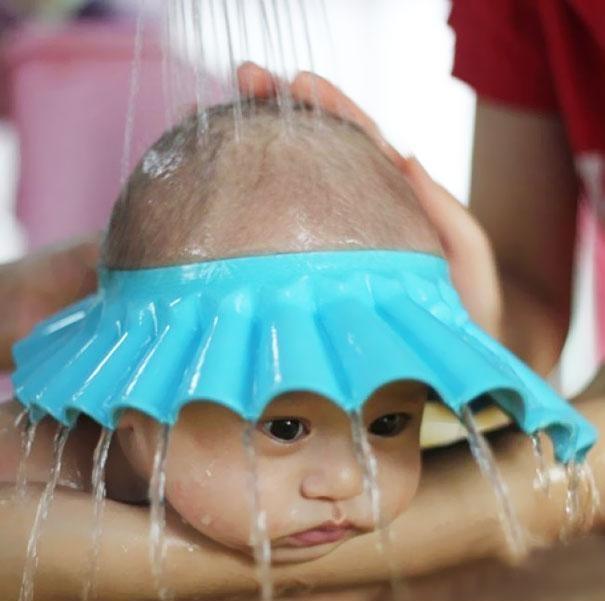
320, 536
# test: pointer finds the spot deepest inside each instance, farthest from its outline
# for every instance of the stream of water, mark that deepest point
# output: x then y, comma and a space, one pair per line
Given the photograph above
157, 513
485, 460
27, 442
367, 460
100, 456
542, 481
31, 559
260, 541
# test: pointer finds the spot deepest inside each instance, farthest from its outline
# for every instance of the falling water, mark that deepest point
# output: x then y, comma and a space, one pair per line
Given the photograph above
244, 41
27, 443
16, 424
594, 497
20, 417
485, 460
260, 537
542, 481
237, 106
157, 529
310, 55
291, 33
199, 62
181, 84
98, 491
166, 64
582, 500
31, 558
283, 72
283, 93
367, 460
134, 88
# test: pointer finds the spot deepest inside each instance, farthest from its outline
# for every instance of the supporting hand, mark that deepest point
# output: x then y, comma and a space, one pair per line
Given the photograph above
40, 284
465, 245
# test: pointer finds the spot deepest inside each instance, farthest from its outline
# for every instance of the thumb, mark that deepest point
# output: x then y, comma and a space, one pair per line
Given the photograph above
466, 247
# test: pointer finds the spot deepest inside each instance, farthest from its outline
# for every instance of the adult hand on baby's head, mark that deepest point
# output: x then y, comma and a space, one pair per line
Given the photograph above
465, 244
312, 90
40, 284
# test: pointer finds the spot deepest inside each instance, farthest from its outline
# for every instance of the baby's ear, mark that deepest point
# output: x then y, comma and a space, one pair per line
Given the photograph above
465, 245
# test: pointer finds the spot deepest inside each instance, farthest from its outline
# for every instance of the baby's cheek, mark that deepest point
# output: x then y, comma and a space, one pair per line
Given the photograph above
211, 511
398, 485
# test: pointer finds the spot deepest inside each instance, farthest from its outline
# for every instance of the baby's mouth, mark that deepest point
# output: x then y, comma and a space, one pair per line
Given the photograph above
328, 532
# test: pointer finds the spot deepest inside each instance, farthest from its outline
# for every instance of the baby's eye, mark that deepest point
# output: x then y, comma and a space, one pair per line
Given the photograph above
285, 430
389, 425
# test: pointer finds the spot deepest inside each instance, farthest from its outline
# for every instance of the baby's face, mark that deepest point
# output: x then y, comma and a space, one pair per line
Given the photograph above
309, 473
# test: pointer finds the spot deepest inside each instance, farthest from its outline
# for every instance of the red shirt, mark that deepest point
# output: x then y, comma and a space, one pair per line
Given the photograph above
546, 55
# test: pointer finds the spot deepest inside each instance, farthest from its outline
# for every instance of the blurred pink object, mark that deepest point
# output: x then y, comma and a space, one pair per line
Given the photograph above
600, 289
591, 235
68, 97
68, 91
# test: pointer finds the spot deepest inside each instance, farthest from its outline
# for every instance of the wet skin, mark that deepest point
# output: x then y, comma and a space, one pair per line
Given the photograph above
309, 472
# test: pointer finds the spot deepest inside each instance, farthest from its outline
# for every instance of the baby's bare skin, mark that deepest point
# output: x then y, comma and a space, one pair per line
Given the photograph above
229, 216
304, 187
430, 536
314, 187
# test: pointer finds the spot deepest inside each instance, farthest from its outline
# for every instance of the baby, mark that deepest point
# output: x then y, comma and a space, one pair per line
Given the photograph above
265, 186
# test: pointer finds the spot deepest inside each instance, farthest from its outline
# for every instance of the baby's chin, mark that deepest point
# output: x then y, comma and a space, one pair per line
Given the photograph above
289, 549
313, 543
294, 554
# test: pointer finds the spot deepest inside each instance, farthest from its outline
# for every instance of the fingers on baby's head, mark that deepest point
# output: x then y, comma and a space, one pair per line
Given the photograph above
274, 182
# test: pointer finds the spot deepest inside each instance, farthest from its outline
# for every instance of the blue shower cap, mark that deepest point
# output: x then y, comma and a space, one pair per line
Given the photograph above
241, 331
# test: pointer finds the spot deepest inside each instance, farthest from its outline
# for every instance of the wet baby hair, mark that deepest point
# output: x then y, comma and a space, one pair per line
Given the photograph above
207, 189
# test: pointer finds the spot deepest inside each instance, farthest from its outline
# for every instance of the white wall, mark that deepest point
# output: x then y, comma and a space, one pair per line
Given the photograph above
393, 57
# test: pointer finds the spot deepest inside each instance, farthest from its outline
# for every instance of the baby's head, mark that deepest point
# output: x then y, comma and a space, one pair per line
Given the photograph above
271, 186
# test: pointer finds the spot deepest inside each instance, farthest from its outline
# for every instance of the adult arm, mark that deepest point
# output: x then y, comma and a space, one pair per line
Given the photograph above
40, 284
439, 530
524, 194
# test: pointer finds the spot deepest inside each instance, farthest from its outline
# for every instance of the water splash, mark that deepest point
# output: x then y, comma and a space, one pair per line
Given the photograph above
542, 481
31, 559
485, 460
582, 500
162, 164
367, 460
594, 496
157, 526
27, 442
98, 492
260, 537
572, 496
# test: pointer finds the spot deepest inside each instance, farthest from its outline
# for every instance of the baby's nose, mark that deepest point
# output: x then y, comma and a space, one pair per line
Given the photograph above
336, 477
